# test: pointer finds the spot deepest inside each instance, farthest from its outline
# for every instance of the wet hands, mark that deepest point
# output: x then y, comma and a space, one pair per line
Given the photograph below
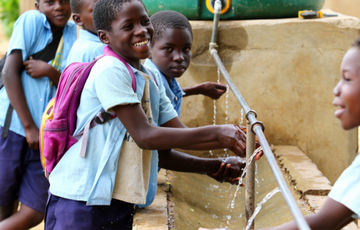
229, 171
36, 68
233, 138
212, 89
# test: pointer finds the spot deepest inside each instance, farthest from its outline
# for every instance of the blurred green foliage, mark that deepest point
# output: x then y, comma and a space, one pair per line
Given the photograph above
9, 12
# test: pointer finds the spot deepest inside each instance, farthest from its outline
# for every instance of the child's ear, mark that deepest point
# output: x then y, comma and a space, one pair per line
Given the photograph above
103, 36
77, 19
36, 5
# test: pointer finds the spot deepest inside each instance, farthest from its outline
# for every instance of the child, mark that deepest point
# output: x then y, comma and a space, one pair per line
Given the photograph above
29, 85
83, 187
88, 46
343, 203
170, 54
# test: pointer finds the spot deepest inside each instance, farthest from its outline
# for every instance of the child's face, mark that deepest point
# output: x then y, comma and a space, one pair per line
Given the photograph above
57, 12
131, 33
171, 53
347, 91
85, 18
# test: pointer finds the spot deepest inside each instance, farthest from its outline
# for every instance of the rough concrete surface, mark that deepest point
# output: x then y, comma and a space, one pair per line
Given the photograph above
304, 173
286, 70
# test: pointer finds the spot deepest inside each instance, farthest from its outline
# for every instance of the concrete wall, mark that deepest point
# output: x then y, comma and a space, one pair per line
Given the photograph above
347, 7
286, 70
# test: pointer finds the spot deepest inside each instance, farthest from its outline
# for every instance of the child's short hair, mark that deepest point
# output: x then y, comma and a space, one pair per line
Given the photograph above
356, 43
163, 20
105, 12
76, 5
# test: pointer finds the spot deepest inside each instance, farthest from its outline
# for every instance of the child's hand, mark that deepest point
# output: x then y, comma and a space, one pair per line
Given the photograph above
212, 89
36, 68
32, 137
233, 138
229, 171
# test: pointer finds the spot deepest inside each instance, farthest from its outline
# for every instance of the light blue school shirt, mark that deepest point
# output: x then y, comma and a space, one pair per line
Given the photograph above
31, 34
346, 189
86, 48
91, 179
173, 90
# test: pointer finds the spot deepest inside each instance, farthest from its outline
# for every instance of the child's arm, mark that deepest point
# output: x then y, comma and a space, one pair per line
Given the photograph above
333, 215
38, 69
214, 167
150, 137
210, 89
12, 80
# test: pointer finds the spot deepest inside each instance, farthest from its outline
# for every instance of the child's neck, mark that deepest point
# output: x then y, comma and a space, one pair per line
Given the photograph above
56, 30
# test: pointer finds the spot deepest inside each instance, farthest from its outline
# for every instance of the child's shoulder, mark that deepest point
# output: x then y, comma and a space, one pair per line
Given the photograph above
32, 16
36, 18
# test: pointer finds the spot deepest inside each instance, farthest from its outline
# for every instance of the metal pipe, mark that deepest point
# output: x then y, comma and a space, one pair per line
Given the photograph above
257, 127
250, 177
217, 12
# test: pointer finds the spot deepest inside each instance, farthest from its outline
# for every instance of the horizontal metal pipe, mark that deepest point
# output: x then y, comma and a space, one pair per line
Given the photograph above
258, 129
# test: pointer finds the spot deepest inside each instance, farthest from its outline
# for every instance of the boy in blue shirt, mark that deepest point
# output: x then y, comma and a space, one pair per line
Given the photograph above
29, 84
170, 54
88, 46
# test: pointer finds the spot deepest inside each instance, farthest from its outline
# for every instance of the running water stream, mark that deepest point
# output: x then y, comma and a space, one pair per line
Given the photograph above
243, 174
259, 205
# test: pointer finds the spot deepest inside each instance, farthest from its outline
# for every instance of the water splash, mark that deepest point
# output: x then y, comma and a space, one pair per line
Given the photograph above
243, 174
259, 205
242, 116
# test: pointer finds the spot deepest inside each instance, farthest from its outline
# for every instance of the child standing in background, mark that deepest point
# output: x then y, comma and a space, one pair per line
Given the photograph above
83, 187
29, 84
170, 55
343, 203
88, 46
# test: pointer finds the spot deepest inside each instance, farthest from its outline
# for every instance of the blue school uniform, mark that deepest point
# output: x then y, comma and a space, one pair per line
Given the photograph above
21, 174
31, 34
91, 179
173, 90
86, 48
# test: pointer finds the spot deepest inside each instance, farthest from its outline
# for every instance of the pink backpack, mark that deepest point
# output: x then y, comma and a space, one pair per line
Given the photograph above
58, 122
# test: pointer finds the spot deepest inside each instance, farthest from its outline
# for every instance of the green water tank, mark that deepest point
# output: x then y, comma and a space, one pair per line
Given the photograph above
235, 9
